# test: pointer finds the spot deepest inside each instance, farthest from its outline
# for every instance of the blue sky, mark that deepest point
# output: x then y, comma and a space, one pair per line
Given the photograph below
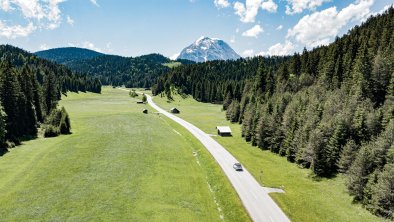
137, 27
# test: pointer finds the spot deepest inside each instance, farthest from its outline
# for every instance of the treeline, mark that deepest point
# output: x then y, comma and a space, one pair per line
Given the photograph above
67, 55
117, 70
330, 109
213, 81
30, 89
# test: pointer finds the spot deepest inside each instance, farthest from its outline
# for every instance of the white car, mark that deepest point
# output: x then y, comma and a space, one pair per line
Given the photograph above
237, 167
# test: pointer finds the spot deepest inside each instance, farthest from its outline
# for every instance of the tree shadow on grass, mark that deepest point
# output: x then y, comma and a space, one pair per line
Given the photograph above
317, 178
3, 151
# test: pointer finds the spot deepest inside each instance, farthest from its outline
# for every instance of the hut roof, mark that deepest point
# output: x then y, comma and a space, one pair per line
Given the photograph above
224, 129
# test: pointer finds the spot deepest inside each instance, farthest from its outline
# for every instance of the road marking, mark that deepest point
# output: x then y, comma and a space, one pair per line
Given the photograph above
177, 132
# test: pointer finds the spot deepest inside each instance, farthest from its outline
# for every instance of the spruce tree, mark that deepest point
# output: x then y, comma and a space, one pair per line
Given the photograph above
382, 202
348, 155
3, 131
27, 102
50, 92
10, 94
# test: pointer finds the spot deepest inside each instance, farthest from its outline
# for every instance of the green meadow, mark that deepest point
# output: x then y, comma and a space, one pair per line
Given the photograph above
307, 198
117, 165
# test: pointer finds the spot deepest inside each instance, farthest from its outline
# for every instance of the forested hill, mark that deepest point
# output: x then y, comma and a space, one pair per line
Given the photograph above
140, 71
330, 109
67, 55
30, 88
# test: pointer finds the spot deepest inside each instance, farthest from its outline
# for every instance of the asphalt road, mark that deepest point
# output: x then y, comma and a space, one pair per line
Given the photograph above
254, 197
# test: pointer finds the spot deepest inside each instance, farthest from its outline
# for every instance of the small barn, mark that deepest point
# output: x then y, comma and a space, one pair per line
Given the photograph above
140, 102
224, 130
145, 111
174, 110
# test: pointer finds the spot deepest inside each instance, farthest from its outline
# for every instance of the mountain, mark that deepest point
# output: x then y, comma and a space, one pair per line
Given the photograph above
68, 54
207, 49
114, 70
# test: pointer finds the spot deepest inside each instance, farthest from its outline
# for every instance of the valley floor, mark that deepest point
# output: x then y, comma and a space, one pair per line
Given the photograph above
306, 199
118, 165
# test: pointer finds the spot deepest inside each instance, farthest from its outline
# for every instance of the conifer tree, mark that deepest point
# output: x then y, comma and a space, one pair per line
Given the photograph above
3, 131
10, 94
50, 92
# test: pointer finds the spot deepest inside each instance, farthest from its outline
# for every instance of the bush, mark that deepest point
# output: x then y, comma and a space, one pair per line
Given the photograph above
65, 125
51, 131
58, 122
144, 98
133, 94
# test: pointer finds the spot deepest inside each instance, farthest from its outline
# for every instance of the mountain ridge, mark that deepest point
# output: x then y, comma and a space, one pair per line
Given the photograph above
66, 55
208, 49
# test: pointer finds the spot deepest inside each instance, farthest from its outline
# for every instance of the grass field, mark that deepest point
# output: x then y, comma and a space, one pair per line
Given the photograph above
172, 64
118, 165
306, 198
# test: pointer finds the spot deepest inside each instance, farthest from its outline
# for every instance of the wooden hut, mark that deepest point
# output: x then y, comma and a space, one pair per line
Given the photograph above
174, 110
223, 130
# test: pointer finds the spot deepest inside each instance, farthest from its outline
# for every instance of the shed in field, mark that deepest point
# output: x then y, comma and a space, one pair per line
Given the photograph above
224, 130
145, 111
174, 110
140, 102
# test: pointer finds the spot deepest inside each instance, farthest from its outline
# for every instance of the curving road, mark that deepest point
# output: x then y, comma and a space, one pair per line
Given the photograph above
254, 197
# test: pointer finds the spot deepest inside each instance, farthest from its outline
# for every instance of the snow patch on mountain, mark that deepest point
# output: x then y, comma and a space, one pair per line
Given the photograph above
208, 49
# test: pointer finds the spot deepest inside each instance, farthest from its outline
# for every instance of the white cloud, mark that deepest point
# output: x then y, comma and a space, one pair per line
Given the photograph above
108, 47
42, 14
44, 47
297, 6
248, 11
318, 28
89, 45
175, 56
221, 3
12, 32
280, 27
94, 2
385, 8
70, 21
269, 5
5, 5
248, 53
253, 32
232, 40
280, 49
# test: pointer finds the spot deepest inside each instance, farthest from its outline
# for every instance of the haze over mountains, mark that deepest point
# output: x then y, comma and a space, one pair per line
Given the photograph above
208, 49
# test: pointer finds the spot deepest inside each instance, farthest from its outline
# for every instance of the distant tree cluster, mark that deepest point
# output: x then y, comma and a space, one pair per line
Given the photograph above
138, 72
30, 89
330, 109
214, 81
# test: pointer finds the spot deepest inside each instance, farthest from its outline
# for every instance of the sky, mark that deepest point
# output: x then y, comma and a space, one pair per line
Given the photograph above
139, 27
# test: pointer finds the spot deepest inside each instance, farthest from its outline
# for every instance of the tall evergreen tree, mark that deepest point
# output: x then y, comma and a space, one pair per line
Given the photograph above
50, 92
10, 94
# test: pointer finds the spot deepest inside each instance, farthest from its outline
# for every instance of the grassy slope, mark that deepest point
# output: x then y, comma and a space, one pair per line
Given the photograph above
172, 64
118, 165
306, 199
